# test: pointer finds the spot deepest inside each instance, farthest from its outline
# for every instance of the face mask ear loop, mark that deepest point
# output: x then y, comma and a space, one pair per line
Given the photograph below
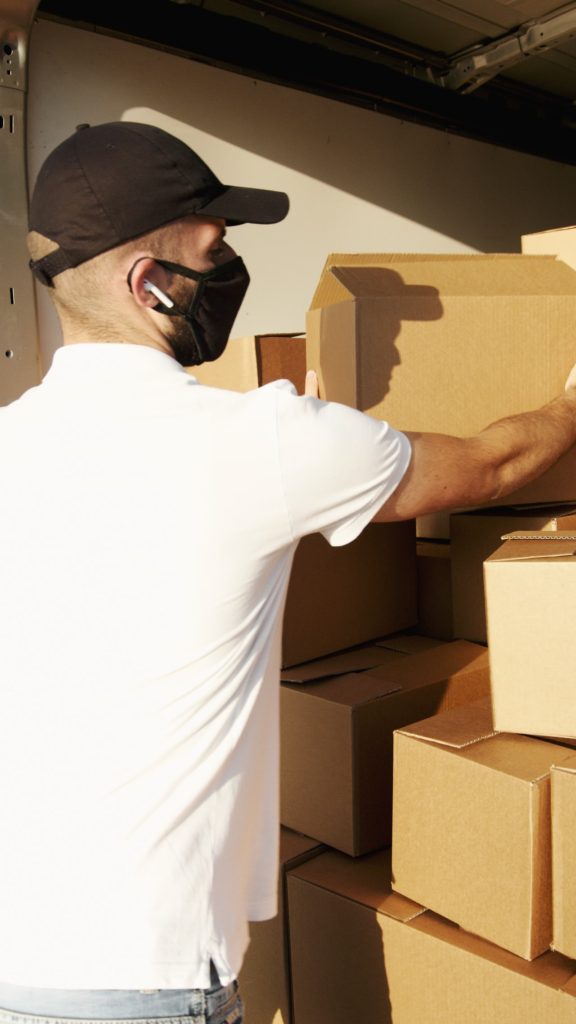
131, 271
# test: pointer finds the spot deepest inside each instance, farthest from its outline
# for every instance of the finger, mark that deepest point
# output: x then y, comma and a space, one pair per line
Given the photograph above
311, 384
571, 381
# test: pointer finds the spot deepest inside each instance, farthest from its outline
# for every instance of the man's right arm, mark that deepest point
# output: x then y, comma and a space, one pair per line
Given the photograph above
450, 472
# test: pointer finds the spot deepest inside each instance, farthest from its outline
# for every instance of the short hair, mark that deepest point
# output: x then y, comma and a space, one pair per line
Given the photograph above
80, 294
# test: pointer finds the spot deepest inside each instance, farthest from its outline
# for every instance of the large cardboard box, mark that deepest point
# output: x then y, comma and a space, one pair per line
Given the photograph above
447, 343
559, 242
250, 362
337, 908
342, 596
357, 956
530, 583
473, 537
265, 978
433, 569
471, 838
336, 739
563, 778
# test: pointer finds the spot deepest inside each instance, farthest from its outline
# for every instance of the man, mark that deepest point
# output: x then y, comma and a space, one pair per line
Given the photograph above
148, 529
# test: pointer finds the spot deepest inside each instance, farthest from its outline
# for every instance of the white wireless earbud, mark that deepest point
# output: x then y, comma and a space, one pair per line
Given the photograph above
158, 293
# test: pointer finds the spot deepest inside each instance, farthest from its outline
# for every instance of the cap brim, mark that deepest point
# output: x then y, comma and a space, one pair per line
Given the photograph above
239, 205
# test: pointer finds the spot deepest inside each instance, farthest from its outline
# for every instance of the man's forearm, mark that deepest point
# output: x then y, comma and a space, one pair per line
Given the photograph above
449, 472
523, 447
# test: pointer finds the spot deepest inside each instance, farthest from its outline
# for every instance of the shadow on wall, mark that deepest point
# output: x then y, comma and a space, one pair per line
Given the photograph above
382, 301
478, 194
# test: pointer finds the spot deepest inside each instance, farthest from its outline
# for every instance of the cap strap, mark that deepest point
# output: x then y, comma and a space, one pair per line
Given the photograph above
49, 266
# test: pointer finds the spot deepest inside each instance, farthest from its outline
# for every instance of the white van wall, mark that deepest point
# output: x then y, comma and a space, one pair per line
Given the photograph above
358, 181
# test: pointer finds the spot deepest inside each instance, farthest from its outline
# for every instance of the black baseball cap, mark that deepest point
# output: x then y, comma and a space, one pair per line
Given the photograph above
109, 183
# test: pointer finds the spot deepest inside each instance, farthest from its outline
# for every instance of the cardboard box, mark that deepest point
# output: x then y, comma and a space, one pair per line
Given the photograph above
435, 343
336, 739
358, 956
434, 581
473, 537
563, 779
265, 979
342, 596
472, 838
337, 908
439, 974
559, 242
530, 583
247, 363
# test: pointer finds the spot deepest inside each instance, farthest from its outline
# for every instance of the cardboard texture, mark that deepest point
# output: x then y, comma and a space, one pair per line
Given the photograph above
339, 597
559, 242
563, 779
250, 362
358, 957
409, 643
439, 974
389, 334
336, 740
265, 977
473, 537
472, 837
530, 589
336, 913
434, 581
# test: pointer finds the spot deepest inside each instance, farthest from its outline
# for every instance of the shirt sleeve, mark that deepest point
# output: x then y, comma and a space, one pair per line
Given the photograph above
338, 466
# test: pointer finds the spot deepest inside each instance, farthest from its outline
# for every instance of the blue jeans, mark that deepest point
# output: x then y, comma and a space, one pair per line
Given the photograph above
220, 1004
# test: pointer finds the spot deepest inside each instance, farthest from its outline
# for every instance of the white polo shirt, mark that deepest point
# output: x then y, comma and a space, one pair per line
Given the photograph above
147, 529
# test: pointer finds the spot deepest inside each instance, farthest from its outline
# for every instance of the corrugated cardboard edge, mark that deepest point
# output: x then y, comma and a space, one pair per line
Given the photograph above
446, 730
376, 259
539, 929
554, 536
516, 546
293, 862
407, 909
554, 969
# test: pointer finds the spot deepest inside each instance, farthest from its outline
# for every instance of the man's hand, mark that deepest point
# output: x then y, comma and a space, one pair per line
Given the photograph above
570, 385
311, 384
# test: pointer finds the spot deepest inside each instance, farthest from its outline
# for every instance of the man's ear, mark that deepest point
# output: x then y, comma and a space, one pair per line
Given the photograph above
148, 282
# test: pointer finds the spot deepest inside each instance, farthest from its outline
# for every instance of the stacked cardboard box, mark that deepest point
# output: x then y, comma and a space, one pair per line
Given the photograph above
253, 361
530, 588
472, 821
472, 834
447, 344
474, 536
361, 952
265, 979
337, 730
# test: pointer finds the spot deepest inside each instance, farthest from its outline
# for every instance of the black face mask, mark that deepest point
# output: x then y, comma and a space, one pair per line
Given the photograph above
213, 307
